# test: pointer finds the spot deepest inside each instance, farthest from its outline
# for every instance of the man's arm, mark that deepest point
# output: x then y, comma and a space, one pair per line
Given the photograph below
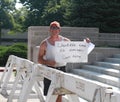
41, 53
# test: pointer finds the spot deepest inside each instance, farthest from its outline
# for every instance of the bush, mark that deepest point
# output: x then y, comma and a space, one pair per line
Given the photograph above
18, 49
2, 53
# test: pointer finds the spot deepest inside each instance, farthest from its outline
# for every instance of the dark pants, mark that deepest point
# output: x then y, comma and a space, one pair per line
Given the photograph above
47, 82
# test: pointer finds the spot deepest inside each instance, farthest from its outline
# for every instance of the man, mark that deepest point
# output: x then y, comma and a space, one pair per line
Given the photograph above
47, 53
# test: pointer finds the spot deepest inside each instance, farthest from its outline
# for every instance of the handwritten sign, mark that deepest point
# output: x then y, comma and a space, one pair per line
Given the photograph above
71, 51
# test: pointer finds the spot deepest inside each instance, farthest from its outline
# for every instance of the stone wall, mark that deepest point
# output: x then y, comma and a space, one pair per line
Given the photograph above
9, 39
108, 39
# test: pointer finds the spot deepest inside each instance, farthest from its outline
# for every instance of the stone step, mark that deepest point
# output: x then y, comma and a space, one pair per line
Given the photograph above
107, 79
108, 64
104, 70
113, 60
116, 56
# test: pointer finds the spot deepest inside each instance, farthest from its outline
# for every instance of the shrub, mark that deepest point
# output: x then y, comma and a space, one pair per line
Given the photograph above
18, 49
2, 53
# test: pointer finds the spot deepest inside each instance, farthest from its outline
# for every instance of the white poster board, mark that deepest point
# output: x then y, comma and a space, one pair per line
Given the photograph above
91, 46
71, 51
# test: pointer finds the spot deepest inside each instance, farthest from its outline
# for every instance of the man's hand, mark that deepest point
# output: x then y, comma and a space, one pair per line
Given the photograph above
50, 63
87, 40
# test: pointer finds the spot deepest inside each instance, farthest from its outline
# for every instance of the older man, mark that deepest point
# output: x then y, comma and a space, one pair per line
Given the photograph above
47, 53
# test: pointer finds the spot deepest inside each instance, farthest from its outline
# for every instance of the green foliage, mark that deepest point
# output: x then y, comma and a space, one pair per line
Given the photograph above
104, 14
18, 49
2, 53
54, 11
91, 13
35, 9
6, 18
10, 18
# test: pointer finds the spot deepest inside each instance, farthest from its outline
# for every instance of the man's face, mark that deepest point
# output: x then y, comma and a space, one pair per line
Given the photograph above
54, 30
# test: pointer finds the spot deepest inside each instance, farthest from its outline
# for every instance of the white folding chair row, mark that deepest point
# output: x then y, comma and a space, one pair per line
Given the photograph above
31, 75
5, 79
30, 82
37, 75
8, 77
24, 71
64, 83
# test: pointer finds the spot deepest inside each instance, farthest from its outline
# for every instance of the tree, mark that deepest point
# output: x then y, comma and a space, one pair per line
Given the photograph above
103, 14
19, 18
6, 18
42, 12
35, 9
54, 10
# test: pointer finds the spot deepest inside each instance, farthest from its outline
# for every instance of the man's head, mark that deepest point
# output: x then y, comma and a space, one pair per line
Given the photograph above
54, 25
